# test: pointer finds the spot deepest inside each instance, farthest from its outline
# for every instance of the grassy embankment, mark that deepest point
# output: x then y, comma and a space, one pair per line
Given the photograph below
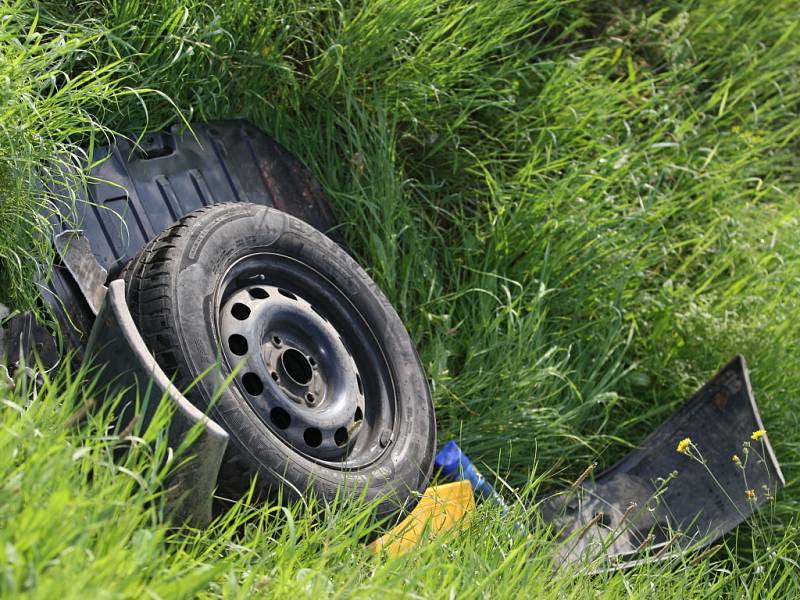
580, 210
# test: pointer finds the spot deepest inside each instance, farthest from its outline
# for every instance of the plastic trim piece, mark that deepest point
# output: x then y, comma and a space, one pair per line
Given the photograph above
130, 369
696, 477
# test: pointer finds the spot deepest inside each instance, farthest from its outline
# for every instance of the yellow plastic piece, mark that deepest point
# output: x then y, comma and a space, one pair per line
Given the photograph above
441, 508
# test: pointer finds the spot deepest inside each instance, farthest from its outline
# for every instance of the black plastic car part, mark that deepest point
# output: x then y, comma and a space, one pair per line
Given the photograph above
129, 369
701, 473
136, 191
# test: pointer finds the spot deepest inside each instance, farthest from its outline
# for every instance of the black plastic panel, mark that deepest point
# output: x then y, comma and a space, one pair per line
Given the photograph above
139, 192
136, 192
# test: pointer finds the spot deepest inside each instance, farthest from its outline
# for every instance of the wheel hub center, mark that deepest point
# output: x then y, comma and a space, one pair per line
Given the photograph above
295, 372
296, 366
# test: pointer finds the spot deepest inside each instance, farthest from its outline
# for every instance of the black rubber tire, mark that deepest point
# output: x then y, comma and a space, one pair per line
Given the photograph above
173, 290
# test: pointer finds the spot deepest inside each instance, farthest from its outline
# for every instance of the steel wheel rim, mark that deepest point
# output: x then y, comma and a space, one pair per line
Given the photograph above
305, 360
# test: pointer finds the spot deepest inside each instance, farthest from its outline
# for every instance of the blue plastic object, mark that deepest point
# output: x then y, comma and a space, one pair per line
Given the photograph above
456, 465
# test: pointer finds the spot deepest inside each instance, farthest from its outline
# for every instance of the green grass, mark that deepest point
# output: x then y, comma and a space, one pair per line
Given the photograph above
580, 209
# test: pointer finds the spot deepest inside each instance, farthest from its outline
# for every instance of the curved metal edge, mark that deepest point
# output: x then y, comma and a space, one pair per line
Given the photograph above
127, 366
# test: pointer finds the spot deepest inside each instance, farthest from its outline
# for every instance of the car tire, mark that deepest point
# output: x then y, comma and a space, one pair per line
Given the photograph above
291, 347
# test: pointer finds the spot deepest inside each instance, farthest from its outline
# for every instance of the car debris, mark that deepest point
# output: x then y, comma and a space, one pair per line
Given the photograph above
704, 471
657, 501
320, 411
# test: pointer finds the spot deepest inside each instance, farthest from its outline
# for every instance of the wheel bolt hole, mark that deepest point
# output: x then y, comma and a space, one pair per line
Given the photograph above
310, 397
258, 293
341, 437
277, 341
280, 418
238, 344
274, 376
312, 437
296, 366
240, 311
311, 361
252, 383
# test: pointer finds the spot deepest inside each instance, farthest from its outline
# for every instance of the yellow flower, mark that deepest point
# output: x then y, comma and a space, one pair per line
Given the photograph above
758, 434
736, 460
683, 445
750, 494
